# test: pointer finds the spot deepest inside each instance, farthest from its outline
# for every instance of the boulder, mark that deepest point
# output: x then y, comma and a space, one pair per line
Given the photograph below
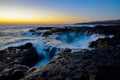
24, 55
102, 43
13, 72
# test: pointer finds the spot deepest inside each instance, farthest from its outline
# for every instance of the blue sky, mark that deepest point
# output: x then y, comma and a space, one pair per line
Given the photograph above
81, 10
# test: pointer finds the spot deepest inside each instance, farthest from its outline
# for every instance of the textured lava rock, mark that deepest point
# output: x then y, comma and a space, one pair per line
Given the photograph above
84, 65
15, 61
101, 63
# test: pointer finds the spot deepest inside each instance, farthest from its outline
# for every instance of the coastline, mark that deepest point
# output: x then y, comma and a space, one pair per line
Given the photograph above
67, 65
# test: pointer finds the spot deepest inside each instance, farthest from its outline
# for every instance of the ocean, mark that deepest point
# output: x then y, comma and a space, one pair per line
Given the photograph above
16, 35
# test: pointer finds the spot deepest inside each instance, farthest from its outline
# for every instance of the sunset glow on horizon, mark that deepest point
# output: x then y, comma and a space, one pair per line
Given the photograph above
57, 11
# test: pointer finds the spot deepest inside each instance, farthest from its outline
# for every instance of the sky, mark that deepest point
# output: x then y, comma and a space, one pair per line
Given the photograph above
57, 11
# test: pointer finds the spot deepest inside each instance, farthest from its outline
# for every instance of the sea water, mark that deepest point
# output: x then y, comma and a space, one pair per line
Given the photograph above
16, 35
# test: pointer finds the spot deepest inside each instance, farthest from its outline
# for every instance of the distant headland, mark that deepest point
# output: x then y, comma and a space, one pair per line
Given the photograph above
101, 22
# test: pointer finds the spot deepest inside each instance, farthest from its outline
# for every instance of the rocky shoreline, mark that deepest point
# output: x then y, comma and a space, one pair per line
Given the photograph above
100, 63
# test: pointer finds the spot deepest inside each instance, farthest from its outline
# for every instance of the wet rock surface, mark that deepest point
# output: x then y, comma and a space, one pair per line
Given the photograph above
51, 30
102, 62
98, 64
15, 61
107, 41
24, 54
107, 30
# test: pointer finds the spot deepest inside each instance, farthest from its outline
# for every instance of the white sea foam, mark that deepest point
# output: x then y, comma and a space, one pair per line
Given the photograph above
77, 42
45, 46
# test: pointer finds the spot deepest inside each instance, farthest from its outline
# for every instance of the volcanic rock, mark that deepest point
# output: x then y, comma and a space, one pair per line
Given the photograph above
15, 61
100, 63
85, 65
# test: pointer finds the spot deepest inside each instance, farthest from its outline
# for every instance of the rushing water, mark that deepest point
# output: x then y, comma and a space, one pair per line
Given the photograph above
15, 35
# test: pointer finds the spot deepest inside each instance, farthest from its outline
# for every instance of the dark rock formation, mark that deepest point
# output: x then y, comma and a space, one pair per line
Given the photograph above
99, 64
107, 30
13, 72
101, 22
102, 63
24, 55
15, 61
106, 42
102, 43
52, 30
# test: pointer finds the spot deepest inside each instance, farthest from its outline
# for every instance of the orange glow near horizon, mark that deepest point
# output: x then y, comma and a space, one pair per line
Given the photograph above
58, 20
54, 21
28, 15
57, 11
